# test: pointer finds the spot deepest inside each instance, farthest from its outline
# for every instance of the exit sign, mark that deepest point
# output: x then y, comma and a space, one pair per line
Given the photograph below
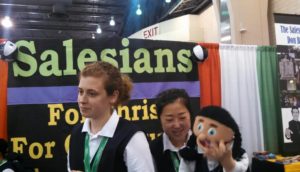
151, 31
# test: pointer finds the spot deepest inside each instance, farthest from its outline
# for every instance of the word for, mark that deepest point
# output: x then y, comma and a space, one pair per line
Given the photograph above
72, 116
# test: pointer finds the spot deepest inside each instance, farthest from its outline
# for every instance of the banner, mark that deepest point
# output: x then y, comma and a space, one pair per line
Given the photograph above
42, 89
287, 34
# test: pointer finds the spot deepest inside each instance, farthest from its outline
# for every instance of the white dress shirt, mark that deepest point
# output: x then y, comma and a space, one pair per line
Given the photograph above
240, 166
184, 166
137, 155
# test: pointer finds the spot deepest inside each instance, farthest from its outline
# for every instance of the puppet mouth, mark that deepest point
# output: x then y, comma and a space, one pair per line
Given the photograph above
205, 143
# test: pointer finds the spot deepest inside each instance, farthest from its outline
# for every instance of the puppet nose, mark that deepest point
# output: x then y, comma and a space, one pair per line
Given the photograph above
200, 138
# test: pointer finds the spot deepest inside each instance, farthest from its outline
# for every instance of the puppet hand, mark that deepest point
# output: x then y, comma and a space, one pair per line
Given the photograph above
221, 153
218, 152
211, 150
227, 160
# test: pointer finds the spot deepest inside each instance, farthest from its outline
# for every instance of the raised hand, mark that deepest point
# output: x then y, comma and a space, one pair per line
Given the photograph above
288, 133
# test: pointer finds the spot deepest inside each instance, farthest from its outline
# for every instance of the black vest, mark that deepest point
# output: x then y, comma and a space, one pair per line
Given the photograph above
162, 159
112, 156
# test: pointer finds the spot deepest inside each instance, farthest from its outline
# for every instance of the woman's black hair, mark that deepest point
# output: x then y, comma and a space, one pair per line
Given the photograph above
171, 95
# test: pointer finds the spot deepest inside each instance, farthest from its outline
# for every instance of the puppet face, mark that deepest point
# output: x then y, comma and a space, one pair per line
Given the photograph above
209, 132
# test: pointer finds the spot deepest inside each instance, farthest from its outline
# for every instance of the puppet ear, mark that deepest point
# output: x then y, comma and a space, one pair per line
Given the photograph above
229, 145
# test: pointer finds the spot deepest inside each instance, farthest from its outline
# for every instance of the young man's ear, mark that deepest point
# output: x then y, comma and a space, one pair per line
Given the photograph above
114, 97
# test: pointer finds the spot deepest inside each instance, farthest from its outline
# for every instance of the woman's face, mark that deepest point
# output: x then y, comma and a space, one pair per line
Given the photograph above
176, 122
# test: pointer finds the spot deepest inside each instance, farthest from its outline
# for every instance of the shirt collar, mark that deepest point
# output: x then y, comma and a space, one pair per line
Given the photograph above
168, 144
107, 130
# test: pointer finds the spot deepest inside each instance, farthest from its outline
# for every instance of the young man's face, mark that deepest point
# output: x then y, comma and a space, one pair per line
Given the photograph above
175, 121
295, 113
92, 98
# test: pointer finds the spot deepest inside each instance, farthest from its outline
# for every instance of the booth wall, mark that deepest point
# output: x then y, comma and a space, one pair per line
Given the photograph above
249, 21
188, 28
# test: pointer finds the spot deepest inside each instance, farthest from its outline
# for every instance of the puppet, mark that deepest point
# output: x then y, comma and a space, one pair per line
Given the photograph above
218, 142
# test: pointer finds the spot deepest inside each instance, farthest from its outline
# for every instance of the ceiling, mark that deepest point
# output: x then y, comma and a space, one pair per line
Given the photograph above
49, 19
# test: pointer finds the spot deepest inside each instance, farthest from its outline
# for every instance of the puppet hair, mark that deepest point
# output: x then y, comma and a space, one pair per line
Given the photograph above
223, 116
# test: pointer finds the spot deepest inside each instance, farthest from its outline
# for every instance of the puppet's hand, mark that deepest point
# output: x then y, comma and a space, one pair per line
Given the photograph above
216, 151
227, 160
222, 153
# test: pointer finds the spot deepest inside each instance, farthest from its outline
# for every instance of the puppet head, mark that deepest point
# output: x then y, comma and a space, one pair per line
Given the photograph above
214, 124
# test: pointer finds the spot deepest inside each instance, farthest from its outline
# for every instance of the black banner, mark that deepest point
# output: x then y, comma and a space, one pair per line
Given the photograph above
43, 82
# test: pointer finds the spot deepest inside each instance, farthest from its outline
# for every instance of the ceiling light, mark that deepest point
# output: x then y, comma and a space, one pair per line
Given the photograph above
6, 22
93, 36
112, 21
138, 11
99, 29
168, 1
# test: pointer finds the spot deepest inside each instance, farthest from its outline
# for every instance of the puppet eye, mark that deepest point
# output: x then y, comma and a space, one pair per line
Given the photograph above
212, 131
200, 126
